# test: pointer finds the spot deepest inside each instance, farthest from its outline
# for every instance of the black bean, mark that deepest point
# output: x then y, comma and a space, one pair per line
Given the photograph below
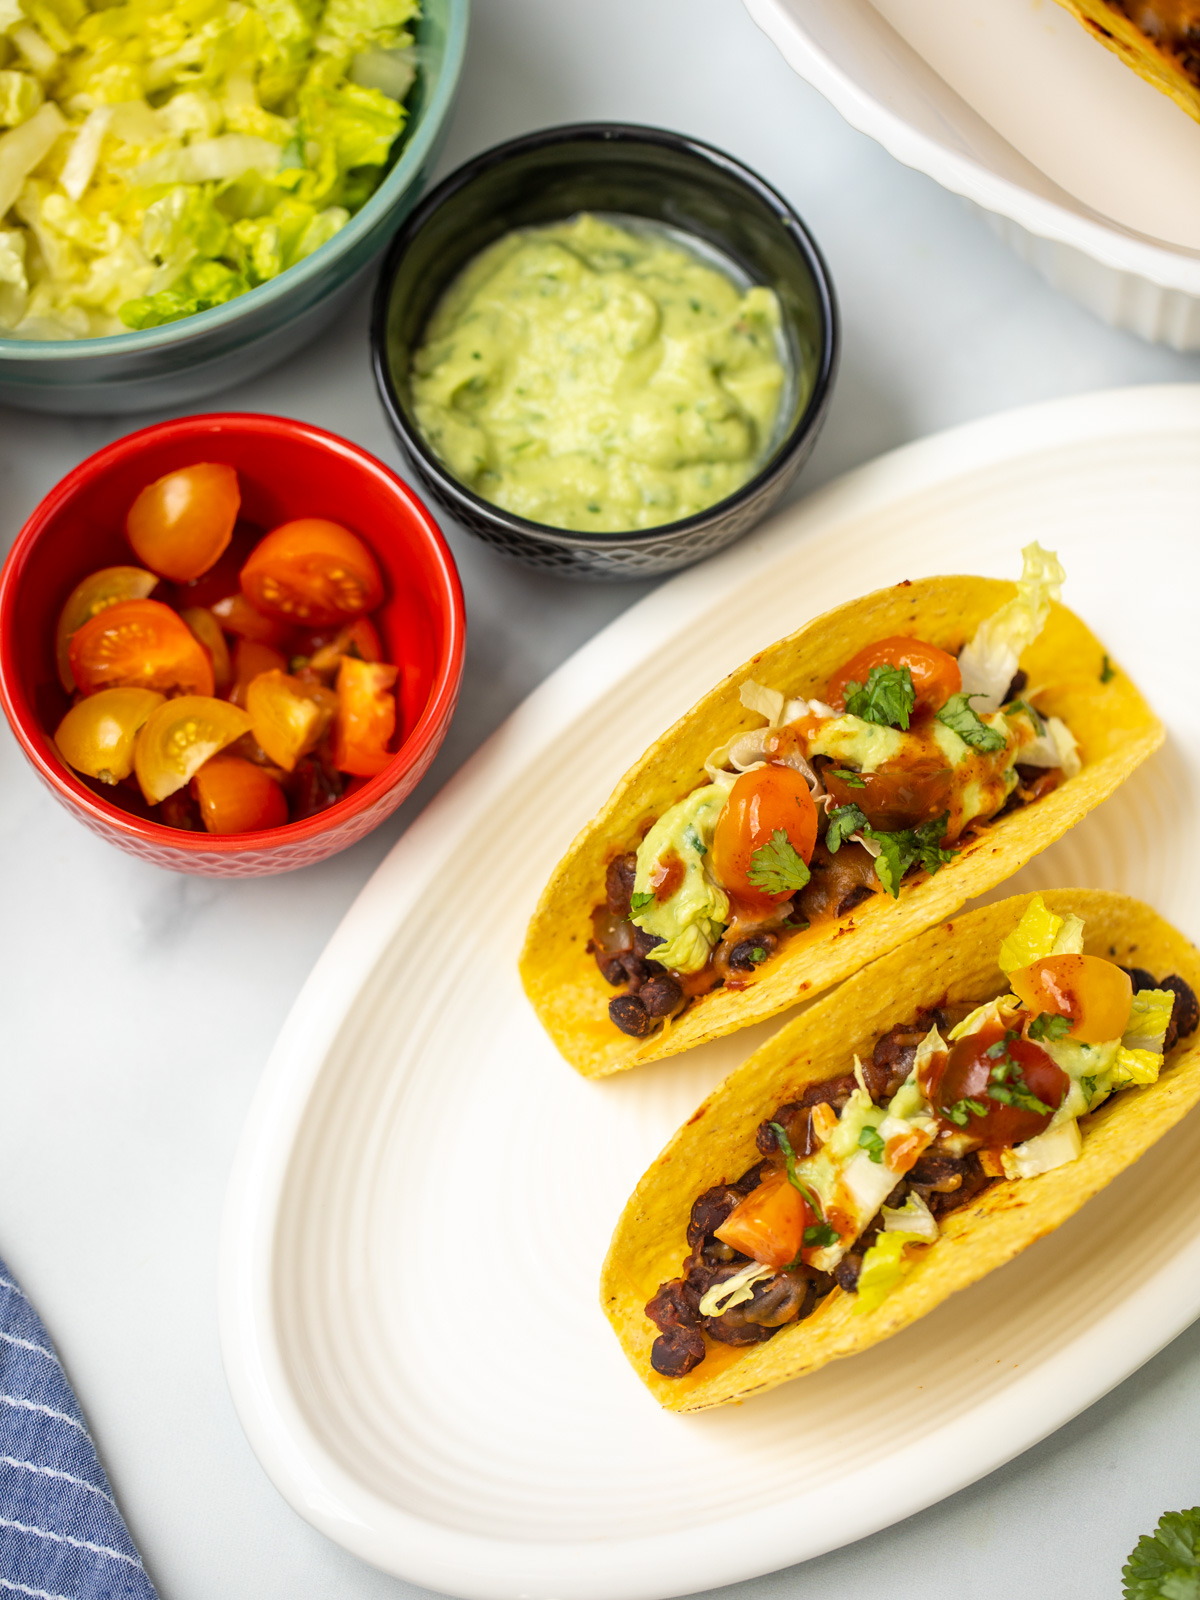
710, 1211
1017, 686
631, 1016
750, 953
618, 883
644, 942
1140, 978
661, 996
676, 1352
1185, 1013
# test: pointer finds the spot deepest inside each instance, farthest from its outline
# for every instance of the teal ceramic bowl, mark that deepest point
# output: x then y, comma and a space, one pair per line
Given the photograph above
183, 361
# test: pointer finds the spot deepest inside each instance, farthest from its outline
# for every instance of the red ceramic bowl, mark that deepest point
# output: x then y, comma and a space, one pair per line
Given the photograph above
287, 469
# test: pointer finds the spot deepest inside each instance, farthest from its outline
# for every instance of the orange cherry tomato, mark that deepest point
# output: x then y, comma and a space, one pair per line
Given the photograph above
179, 737
235, 796
208, 630
95, 594
314, 573
237, 616
180, 524
97, 736
935, 674
896, 795
1094, 993
288, 717
139, 644
768, 1225
759, 805
366, 716
972, 1074
249, 660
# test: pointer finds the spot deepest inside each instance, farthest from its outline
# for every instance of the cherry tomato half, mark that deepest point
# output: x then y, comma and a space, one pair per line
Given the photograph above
896, 795
139, 644
1094, 993
208, 630
312, 572
96, 593
97, 736
935, 674
180, 523
971, 1074
237, 616
179, 737
288, 717
366, 716
249, 660
759, 805
768, 1225
235, 796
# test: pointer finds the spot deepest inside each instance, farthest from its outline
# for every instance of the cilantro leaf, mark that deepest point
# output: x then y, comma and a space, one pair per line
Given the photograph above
1165, 1564
1048, 1025
821, 1234
1031, 712
758, 954
871, 1140
958, 716
639, 902
843, 821
789, 1155
905, 848
887, 697
1107, 672
852, 780
1088, 1085
692, 838
777, 867
962, 1109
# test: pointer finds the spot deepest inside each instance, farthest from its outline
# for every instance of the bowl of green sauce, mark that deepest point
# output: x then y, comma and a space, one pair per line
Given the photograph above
605, 349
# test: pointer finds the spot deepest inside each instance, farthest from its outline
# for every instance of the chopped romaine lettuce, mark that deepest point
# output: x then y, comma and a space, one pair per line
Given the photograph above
735, 1290
884, 1266
913, 1217
1039, 933
1149, 1019
989, 662
1054, 1148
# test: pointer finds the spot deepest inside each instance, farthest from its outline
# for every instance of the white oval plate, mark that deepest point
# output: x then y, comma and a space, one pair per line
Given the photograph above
424, 1191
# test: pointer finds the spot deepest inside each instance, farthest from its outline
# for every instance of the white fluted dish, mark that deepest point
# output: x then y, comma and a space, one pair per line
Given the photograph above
425, 1191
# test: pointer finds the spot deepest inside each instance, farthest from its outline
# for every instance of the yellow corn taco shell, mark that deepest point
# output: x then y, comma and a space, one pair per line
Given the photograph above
1159, 59
957, 961
1115, 728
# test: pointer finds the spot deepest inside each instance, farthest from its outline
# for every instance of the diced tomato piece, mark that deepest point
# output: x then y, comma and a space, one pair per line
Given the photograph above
97, 735
96, 593
762, 803
769, 1223
237, 616
358, 639
935, 674
180, 524
208, 630
288, 717
250, 660
179, 737
1094, 993
366, 716
139, 644
313, 573
235, 796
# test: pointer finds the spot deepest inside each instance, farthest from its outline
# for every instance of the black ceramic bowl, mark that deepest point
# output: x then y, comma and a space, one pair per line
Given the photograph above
642, 172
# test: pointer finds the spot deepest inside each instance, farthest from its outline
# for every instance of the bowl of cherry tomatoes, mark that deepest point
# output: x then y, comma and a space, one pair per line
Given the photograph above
230, 644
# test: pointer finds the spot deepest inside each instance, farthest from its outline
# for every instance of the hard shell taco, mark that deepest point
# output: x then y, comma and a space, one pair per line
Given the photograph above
846, 788
1159, 39
943, 1109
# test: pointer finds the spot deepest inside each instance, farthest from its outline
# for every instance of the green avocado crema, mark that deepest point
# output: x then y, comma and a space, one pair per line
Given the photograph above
694, 917
592, 378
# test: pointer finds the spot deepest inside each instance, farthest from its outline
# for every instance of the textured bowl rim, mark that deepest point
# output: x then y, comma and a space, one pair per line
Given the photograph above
1122, 249
110, 818
416, 147
610, 133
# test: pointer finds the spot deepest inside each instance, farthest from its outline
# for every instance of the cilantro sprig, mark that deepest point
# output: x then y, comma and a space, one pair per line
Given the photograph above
852, 780
639, 902
1006, 1081
1032, 712
1049, 1025
871, 1140
789, 1156
777, 867
1165, 1564
843, 821
962, 1109
957, 715
886, 698
898, 851
821, 1234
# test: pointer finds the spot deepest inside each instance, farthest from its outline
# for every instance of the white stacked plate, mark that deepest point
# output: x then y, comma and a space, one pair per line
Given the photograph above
1090, 174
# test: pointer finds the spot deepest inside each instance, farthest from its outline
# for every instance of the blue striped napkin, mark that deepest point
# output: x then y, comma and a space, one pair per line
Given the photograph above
61, 1535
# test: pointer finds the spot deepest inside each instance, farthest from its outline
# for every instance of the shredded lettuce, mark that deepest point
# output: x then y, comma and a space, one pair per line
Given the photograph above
913, 1217
989, 662
735, 1290
158, 158
1039, 933
884, 1266
1149, 1019
1054, 1148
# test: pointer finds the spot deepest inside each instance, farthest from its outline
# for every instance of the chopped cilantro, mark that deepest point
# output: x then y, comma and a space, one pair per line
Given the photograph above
1031, 712
843, 821
1088, 1085
852, 780
962, 1109
789, 1155
692, 838
1107, 672
820, 1234
1048, 1025
1006, 1081
906, 848
887, 697
1165, 1564
871, 1140
758, 954
639, 902
958, 716
777, 867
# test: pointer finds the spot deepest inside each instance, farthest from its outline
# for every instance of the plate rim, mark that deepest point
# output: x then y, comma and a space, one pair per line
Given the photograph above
798, 1526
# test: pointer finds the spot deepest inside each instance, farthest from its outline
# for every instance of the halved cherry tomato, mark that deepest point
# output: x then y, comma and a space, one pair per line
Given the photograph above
235, 796
314, 573
236, 615
97, 736
366, 716
249, 660
208, 630
96, 593
759, 805
1094, 993
769, 1224
139, 644
180, 523
973, 1075
896, 795
288, 717
935, 674
179, 737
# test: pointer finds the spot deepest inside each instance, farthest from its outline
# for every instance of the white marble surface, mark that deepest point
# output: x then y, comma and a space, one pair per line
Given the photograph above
138, 1007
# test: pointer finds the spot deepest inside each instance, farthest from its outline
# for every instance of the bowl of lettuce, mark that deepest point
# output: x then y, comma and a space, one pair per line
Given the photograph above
189, 189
